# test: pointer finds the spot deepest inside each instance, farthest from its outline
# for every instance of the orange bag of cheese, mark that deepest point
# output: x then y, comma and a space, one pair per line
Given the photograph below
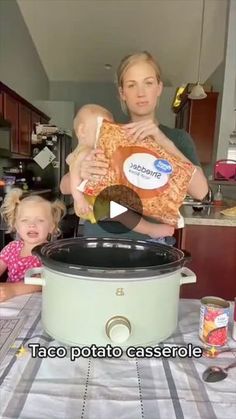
159, 178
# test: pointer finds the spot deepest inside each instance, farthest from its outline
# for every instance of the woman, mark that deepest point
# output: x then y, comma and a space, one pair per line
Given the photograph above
140, 87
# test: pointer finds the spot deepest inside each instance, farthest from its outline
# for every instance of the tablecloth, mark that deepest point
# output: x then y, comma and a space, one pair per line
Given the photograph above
125, 388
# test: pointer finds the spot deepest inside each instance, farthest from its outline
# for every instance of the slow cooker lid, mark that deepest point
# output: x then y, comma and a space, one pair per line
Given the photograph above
107, 257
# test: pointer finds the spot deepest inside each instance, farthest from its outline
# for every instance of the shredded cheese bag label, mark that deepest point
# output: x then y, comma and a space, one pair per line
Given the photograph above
141, 170
158, 177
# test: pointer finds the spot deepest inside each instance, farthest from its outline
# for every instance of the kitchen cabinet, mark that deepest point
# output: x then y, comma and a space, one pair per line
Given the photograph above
178, 237
1, 103
213, 250
24, 130
11, 113
198, 118
22, 115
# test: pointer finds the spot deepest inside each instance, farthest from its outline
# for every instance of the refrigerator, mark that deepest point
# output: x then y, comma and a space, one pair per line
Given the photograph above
57, 146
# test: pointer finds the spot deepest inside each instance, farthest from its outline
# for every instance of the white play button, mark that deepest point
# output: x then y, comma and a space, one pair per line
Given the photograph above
116, 209
114, 201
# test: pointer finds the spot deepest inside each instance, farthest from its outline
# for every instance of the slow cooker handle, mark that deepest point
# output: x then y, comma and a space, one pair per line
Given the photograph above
36, 251
187, 256
29, 279
187, 276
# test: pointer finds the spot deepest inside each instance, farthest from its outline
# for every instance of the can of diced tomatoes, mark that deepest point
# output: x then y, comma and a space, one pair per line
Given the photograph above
214, 319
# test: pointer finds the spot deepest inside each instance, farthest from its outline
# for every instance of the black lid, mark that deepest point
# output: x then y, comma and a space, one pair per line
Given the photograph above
110, 257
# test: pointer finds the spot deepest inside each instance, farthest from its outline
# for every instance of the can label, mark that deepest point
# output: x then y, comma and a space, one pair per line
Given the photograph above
214, 319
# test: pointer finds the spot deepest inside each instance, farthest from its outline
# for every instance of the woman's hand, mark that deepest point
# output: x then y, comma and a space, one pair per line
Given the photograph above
142, 129
95, 164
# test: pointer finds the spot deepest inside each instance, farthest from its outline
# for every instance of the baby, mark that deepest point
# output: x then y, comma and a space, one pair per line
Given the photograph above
85, 127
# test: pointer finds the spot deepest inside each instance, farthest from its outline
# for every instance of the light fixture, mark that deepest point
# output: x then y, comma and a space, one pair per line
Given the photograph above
197, 91
108, 66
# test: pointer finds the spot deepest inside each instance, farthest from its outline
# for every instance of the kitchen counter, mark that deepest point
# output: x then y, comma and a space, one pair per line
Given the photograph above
209, 216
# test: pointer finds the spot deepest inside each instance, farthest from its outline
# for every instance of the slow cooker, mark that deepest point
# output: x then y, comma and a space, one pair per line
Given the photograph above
109, 291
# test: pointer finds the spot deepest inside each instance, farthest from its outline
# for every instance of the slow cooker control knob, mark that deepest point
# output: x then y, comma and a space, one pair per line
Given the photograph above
118, 329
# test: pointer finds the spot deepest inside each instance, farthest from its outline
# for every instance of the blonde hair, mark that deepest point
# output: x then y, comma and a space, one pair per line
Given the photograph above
127, 62
93, 109
15, 197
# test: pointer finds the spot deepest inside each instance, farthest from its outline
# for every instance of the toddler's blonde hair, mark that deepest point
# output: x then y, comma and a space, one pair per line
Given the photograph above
15, 197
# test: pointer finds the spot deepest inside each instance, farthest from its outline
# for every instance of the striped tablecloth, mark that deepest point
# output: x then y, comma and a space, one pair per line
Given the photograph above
88, 388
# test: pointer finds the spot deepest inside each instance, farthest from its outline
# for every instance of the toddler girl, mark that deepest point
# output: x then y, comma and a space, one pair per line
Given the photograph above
34, 219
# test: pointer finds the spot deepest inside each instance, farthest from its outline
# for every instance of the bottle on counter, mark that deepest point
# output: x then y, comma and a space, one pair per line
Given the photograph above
218, 197
20, 167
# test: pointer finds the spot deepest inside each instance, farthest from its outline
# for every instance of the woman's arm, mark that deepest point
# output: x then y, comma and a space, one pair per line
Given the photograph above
13, 289
65, 184
198, 187
134, 221
82, 207
154, 230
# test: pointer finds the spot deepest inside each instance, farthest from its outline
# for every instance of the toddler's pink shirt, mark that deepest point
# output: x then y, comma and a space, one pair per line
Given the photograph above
17, 265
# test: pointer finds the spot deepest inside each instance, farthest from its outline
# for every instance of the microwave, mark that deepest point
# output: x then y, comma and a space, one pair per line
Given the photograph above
5, 138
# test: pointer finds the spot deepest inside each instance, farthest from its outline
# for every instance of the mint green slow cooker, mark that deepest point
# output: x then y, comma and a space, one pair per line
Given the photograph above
109, 291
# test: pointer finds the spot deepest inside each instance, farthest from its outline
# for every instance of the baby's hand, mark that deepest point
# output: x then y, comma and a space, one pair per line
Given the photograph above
83, 208
6, 292
161, 230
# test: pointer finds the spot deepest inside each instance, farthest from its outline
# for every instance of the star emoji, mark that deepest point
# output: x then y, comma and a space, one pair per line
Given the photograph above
210, 352
213, 351
21, 351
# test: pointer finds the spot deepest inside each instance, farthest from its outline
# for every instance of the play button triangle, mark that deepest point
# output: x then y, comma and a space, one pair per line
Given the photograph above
116, 209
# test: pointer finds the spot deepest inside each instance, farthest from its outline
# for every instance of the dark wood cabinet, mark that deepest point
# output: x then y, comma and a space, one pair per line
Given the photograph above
213, 250
198, 117
178, 237
24, 130
11, 113
22, 115
1, 103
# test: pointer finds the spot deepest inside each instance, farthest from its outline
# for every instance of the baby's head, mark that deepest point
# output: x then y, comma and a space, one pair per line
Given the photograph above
32, 217
85, 122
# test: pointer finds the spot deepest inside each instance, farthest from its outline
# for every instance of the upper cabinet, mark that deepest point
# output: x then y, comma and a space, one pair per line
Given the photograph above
23, 116
1, 104
198, 117
35, 118
24, 130
11, 113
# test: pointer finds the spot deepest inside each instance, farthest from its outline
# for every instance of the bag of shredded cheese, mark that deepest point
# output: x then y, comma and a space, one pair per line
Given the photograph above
159, 178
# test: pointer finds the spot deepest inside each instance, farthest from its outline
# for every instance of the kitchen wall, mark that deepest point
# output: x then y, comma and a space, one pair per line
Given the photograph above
106, 95
80, 93
21, 68
227, 121
216, 80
